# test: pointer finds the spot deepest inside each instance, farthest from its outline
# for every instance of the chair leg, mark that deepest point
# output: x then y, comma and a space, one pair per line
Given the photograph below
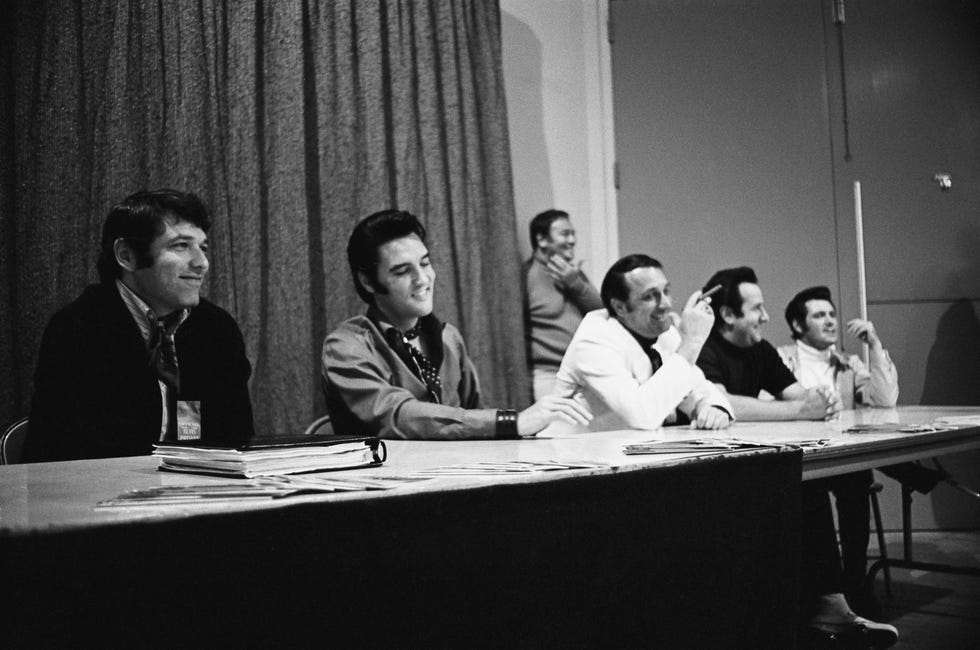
882, 548
907, 521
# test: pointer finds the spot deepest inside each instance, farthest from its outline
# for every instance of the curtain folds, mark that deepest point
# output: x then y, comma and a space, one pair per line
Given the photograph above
292, 120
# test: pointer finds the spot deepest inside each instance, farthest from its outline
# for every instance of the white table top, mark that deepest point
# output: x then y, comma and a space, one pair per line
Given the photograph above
46, 497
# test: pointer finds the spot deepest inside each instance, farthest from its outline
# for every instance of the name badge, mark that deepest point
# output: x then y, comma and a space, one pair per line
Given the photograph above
188, 420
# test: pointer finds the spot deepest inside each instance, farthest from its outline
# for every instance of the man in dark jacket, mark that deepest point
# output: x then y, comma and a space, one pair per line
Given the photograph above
141, 357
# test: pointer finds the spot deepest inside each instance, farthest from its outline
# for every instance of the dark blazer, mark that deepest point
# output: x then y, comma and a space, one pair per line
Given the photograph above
96, 396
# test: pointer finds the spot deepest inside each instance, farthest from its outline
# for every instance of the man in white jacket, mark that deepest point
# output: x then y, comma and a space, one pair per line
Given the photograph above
632, 364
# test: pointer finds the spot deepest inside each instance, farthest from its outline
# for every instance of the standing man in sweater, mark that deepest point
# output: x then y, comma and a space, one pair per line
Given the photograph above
557, 296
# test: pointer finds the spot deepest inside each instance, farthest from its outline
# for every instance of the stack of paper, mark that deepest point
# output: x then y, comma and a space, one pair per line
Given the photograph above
272, 456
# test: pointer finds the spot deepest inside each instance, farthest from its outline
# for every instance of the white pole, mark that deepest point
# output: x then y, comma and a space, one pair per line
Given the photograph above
862, 278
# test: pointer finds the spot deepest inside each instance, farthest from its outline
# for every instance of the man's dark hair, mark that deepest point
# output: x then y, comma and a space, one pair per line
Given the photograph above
614, 284
139, 219
369, 235
796, 309
541, 224
729, 295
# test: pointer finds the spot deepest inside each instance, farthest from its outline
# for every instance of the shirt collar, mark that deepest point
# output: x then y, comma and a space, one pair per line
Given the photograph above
374, 314
143, 315
430, 325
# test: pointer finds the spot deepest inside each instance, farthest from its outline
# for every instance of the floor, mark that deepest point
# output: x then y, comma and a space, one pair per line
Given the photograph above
933, 610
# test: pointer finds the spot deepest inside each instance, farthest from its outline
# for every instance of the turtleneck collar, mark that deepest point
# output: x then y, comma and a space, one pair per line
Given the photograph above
811, 353
830, 356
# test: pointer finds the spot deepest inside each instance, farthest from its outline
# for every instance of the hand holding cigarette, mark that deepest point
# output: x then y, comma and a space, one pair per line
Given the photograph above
707, 294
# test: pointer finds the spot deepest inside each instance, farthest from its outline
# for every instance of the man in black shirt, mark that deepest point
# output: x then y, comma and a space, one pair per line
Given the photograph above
742, 363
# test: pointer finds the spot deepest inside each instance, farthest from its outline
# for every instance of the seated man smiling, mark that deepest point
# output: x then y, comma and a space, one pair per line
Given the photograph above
633, 363
740, 361
400, 372
141, 357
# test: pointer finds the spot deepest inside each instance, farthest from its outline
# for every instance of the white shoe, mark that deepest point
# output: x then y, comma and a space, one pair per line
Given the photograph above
879, 635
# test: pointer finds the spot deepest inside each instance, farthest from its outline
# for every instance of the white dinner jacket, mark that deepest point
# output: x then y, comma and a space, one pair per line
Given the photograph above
606, 370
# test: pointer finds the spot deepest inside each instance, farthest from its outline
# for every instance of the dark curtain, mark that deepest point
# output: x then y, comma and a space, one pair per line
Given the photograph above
292, 120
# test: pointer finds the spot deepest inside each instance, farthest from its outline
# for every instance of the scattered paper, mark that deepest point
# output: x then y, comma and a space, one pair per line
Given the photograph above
697, 446
507, 467
259, 489
893, 427
958, 421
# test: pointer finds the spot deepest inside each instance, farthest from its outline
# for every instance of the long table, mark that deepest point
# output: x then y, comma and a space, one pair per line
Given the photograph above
880, 442
665, 551
880, 445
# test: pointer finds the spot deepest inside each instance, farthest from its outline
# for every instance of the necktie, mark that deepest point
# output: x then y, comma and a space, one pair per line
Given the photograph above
430, 374
163, 359
163, 352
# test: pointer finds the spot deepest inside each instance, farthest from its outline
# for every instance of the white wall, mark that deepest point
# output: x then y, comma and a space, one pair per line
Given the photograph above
559, 109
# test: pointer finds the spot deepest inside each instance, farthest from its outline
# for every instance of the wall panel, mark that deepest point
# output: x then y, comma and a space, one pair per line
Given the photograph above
731, 147
723, 142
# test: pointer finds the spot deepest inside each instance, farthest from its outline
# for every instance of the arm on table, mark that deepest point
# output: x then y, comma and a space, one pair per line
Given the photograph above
356, 376
793, 403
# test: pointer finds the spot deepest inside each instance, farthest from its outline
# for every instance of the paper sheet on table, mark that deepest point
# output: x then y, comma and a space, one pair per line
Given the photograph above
260, 489
696, 446
506, 467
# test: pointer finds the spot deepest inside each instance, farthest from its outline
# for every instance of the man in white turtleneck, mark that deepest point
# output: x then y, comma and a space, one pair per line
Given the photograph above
815, 361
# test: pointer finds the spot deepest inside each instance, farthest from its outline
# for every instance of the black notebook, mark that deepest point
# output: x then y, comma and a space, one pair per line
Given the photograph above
273, 455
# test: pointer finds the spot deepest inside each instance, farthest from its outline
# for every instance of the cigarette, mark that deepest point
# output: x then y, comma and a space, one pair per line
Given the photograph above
707, 294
